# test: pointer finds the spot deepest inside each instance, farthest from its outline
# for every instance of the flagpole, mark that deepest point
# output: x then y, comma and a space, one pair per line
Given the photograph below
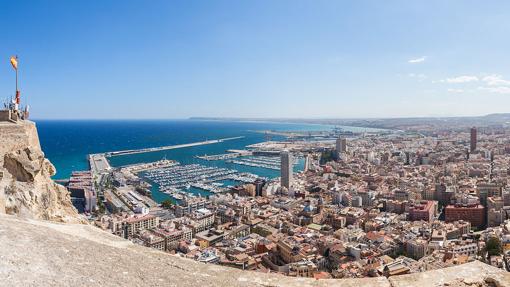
14, 63
17, 91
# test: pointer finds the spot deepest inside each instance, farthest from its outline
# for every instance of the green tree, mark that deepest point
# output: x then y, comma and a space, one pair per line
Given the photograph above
167, 203
493, 246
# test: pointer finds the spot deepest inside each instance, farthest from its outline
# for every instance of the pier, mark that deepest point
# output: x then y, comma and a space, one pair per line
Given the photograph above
229, 155
139, 167
268, 162
99, 164
154, 149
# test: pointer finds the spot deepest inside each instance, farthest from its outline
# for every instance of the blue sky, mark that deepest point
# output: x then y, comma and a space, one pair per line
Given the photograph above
316, 59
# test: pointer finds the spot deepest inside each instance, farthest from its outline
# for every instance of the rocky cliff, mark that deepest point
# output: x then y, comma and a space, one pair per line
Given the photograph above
26, 187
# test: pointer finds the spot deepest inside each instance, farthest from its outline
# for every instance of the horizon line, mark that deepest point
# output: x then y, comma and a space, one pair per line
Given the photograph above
264, 118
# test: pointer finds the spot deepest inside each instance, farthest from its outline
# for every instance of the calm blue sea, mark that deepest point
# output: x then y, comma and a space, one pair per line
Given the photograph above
67, 143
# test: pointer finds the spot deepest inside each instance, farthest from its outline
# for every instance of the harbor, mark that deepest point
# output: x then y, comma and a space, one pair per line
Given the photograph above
198, 174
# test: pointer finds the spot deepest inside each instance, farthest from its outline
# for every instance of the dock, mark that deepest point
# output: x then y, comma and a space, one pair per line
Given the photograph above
99, 164
268, 162
231, 154
154, 149
139, 167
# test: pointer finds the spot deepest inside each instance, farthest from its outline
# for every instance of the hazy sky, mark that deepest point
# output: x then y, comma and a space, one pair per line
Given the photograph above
176, 59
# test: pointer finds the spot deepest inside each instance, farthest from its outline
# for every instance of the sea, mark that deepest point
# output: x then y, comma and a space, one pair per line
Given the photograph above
66, 143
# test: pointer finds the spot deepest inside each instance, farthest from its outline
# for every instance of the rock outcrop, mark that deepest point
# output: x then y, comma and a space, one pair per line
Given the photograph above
26, 187
42, 253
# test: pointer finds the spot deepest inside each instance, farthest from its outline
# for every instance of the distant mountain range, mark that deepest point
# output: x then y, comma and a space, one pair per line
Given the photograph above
497, 119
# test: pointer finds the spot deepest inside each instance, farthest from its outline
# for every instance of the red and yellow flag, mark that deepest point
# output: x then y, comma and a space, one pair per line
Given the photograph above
14, 62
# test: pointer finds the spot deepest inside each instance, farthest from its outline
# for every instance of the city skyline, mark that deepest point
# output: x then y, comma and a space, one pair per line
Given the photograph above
131, 60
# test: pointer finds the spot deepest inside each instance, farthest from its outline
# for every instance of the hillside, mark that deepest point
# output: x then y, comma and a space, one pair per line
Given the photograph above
39, 253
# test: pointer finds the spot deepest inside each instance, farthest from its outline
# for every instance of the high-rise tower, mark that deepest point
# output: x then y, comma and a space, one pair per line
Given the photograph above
341, 146
473, 139
286, 169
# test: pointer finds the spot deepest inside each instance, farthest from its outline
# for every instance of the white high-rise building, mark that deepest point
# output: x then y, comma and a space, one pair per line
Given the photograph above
307, 162
286, 169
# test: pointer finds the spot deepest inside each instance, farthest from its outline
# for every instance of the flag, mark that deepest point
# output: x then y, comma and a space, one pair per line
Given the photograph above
14, 62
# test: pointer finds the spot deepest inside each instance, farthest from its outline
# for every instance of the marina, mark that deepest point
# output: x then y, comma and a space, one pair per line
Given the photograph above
178, 180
